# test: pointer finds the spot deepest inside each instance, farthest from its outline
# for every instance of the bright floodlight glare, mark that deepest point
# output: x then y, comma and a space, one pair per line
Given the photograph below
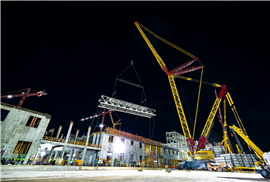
9, 96
82, 119
101, 125
119, 147
43, 153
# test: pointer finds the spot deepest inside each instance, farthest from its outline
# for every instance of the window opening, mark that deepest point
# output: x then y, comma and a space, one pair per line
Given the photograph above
111, 139
4, 114
22, 147
33, 121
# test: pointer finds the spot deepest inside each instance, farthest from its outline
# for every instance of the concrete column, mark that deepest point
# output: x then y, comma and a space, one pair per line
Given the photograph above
51, 153
71, 154
56, 153
62, 135
52, 131
94, 139
77, 132
101, 139
67, 137
59, 131
86, 143
112, 160
157, 155
97, 140
37, 153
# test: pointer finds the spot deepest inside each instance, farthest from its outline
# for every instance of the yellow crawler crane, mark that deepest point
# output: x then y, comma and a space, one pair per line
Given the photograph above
171, 75
263, 156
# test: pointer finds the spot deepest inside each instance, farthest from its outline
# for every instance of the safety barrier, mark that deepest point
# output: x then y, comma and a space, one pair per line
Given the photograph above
53, 139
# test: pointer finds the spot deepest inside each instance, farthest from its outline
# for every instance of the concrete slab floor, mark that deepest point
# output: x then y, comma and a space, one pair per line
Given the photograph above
128, 176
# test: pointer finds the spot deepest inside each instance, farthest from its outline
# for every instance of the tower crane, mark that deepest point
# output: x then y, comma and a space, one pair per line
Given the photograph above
24, 95
171, 76
103, 118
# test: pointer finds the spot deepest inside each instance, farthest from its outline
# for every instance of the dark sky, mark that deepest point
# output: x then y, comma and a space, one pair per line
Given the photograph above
75, 51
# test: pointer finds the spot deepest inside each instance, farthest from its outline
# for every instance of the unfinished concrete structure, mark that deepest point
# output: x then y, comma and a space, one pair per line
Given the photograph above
21, 130
23, 134
128, 149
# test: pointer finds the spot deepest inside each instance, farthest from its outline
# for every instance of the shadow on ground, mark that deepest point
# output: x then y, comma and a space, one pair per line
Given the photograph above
251, 179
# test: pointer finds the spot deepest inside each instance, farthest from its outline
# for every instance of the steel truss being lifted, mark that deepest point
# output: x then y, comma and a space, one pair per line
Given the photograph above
126, 107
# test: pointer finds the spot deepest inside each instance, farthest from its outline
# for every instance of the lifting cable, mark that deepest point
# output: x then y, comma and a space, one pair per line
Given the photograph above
16, 91
97, 121
143, 97
153, 128
197, 104
115, 89
167, 42
237, 117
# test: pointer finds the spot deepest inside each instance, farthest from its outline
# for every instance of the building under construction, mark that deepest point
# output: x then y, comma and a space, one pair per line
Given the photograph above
24, 135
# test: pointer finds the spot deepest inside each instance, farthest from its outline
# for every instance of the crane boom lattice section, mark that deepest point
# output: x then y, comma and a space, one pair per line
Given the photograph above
247, 140
179, 108
211, 117
159, 60
209, 123
126, 107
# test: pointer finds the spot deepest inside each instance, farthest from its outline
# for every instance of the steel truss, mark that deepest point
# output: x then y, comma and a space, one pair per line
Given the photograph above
126, 107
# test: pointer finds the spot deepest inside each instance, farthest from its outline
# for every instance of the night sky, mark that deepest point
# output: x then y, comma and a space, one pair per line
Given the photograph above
75, 51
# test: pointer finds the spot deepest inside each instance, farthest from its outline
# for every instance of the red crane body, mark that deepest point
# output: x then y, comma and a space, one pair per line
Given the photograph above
24, 95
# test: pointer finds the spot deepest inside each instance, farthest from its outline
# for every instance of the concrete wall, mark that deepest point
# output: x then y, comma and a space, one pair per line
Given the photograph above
13, 129
167, 155
109, 147
135, 150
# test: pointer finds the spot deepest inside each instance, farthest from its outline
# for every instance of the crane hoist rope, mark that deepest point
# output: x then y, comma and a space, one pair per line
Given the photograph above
237, 117
143, 96
197, 104
167, 42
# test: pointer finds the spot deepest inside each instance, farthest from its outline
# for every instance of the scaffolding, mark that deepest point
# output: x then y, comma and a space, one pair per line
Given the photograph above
175, 139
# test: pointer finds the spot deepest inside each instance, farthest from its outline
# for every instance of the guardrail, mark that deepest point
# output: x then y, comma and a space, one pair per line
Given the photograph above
53, 139
71, 142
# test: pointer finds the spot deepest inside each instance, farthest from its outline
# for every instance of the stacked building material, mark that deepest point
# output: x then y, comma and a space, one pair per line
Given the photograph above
244, 160
218, 150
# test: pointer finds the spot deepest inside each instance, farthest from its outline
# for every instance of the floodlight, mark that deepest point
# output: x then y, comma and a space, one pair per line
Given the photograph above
9, 96
119, 147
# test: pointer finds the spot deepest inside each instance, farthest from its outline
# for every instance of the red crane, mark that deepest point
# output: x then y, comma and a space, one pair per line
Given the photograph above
96, 115
24, 95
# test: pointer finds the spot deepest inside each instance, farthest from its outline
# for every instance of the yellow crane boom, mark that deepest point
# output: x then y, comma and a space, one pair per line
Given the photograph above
240, 132
177, 71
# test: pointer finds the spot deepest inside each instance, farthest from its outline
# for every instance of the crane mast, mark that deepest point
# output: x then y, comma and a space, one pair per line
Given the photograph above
177, 71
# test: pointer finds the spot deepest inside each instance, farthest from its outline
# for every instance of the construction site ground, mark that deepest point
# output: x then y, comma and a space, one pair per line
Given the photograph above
109, 174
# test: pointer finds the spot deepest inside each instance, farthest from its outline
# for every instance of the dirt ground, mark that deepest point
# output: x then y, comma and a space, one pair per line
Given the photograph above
128, 176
